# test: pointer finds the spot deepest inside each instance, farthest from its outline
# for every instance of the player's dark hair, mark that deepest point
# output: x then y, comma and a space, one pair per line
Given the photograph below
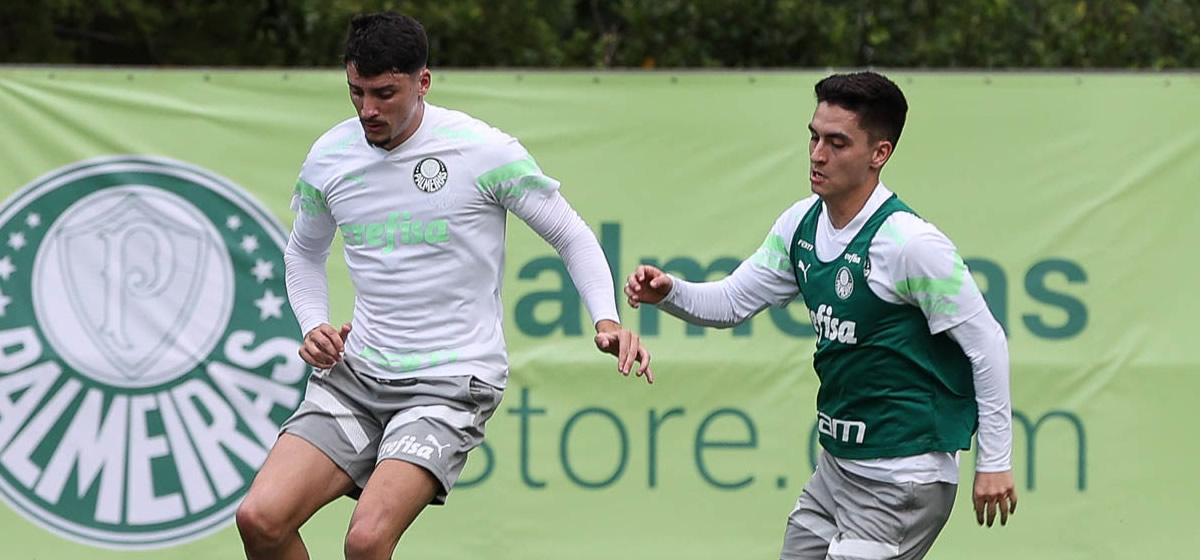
878, 102
386, 42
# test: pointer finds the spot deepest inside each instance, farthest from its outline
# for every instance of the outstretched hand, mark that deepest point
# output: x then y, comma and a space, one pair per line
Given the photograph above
626, 346
647, 284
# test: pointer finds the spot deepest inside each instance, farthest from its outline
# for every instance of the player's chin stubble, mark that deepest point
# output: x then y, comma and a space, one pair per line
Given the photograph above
379, 140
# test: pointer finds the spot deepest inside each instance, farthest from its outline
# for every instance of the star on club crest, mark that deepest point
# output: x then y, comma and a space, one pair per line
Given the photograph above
6, 268
263, 270
269, 305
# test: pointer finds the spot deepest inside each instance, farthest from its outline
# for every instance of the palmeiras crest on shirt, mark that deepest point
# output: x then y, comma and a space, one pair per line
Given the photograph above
430, 175
843, 283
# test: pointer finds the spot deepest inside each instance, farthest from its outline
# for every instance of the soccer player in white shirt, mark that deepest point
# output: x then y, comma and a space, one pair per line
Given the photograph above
400, 395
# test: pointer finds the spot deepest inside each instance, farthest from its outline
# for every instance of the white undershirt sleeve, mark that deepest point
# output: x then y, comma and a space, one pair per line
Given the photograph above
553, 218
732, 300
304, 267
763, 280
983, 341
706, 304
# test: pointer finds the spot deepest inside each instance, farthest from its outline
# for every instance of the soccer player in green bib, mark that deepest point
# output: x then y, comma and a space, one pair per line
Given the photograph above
910, 359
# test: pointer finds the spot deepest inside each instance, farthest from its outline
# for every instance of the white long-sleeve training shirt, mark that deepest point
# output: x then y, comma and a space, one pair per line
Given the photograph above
905, 247
423, 227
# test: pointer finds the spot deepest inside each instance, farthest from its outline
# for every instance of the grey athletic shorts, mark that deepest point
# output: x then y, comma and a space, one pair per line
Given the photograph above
358, 421
843, 516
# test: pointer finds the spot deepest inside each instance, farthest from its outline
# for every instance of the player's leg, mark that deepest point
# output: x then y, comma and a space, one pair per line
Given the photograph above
294, 482
327, 449
885, 521
421, 454
931, 509
810, 526
396, 493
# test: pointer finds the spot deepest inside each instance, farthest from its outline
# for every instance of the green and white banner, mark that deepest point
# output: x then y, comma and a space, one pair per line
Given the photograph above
147, 350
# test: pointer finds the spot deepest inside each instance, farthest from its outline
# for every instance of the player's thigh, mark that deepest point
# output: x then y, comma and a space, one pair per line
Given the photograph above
811, 524
932, 504
338, 418
809, 530
395, 495
442, 422
295, 481
886, 521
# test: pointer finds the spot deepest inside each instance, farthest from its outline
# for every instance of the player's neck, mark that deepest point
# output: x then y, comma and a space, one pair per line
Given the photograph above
844, 208
411, 129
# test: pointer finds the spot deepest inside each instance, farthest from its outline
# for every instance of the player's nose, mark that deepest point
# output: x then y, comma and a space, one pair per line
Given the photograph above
369, 110
818, 152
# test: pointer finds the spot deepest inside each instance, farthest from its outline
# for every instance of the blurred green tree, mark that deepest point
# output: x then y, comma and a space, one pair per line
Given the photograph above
1148, 34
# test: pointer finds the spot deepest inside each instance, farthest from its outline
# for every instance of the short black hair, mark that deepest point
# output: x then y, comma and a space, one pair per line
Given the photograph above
386, 42
878, 102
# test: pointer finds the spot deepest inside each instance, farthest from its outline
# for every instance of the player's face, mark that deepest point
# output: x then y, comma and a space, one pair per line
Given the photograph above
389, 105
842, 157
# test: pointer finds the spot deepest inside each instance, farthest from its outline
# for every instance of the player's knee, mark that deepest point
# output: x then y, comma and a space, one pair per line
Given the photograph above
258, 528
365, 542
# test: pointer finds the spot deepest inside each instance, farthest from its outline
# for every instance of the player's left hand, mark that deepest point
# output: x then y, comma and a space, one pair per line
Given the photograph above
626, 346
994, 491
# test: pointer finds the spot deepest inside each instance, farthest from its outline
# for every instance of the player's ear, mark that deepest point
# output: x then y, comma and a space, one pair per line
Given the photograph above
424, 80
881, 153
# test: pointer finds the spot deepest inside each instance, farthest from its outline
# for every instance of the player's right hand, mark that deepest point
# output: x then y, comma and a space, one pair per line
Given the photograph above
323, 346
647, 284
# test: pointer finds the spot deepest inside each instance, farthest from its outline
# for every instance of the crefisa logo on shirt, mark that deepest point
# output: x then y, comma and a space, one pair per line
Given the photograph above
430, 175
147, 354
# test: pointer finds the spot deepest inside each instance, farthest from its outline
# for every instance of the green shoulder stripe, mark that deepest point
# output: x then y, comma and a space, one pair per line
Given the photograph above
488, 182
312, 200
499, 182
772, 254
936, 286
